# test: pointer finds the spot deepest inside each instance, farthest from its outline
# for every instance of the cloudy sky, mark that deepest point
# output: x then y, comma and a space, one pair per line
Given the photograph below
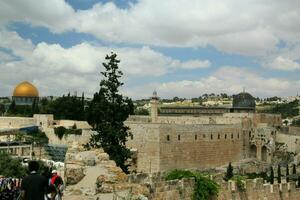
177, 47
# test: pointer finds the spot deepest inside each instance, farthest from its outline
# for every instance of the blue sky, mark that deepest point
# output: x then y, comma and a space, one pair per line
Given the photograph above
175, 47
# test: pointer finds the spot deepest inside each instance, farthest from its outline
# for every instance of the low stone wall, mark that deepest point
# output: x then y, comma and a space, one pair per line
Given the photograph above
171, 190
16, 122
255, 189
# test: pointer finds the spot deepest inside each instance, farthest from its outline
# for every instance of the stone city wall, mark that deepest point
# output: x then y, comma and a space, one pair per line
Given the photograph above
146, 140
164, 147
175, 189
16, 122
199, 146
255, 189
68, 139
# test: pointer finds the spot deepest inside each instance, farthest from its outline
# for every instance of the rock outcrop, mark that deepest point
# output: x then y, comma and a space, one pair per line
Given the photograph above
90, 173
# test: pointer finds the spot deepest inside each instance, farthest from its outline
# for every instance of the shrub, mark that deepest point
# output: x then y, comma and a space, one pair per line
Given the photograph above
62, 131
240, 182
204, 188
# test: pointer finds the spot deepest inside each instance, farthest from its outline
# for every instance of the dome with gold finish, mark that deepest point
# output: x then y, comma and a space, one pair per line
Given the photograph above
25, 89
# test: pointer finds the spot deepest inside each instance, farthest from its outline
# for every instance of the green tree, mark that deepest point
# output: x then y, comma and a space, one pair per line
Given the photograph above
66, 107
298, 182
12, 108
11, 167
296, 122
2, 109
287, 173
229, 172
107, 112
141, 111
294, 169
271, 176
278, 174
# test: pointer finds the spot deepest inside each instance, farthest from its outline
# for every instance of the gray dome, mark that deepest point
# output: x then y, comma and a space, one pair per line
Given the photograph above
243, 100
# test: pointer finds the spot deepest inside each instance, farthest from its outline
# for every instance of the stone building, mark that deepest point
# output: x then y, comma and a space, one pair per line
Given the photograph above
242, 103
209, 140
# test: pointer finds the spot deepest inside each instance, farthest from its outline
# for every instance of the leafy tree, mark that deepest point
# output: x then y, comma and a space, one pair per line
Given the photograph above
12, 108
141, 111
66, 107
229, 172
271, 176
2, 109
278, 174
298, 182
107, 112
11, 167
294, 169
287, 173
296, 122
286, 109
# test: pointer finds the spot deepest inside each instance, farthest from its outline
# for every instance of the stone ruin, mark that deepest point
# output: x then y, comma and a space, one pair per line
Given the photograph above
90, 174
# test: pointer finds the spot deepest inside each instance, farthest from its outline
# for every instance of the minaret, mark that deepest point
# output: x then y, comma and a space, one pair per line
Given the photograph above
154, 105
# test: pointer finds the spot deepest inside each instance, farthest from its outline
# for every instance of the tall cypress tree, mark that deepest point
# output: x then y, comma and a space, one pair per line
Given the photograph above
272, 176
287, 173
278, 174
107, 112
294, 169
229, 172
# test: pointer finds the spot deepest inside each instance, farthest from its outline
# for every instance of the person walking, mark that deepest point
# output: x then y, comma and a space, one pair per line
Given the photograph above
34, 185
56, 183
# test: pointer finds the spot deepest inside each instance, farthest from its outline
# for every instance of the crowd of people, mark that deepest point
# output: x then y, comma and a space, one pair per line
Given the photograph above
35, 186
9, 188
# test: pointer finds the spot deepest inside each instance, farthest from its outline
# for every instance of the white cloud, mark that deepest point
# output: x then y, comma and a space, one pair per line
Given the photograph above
230, 80
195, 64
58, 70
248, 27
283, 63
5, 57
12, 41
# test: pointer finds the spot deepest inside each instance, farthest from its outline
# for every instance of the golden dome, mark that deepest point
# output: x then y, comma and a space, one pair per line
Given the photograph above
25, 89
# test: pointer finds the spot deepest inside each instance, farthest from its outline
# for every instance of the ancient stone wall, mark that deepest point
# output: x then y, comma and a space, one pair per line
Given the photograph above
146, 140
256, 190
16, 122
199, 146
163, 147
175, 189
81, 139
43, 120
294, 130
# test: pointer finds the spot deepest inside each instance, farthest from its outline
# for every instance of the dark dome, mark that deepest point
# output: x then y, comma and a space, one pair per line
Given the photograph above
243, 100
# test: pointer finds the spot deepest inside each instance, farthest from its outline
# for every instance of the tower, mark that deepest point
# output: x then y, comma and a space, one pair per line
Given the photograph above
154, 106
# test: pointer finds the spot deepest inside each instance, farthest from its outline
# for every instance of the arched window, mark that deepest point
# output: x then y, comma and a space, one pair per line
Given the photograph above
195, 137
178, 137
168, 137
